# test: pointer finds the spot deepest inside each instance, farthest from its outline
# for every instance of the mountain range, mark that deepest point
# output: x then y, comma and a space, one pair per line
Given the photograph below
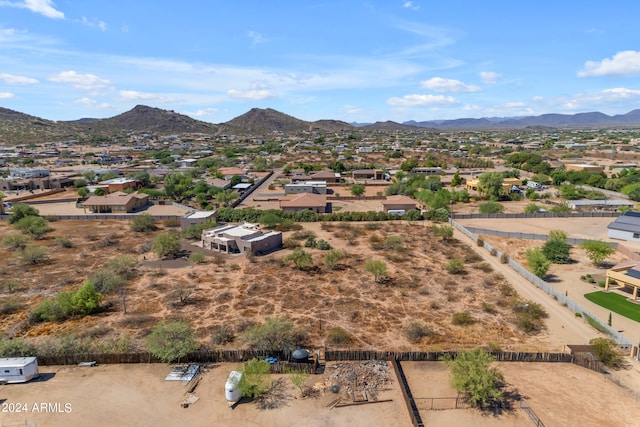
16, 127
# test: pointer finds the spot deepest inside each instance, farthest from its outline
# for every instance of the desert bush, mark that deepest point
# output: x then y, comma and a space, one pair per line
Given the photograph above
34, 226
338, 336
462, 318
32, 255
82, 302
484, 267
489, 308
64, 242
143, 223
197, 258
16, 347
393, 243
504, 258
15, 241
455, 266
416, 331
529, 316
167, 245
10, 305
303, 234
170, 341
290, 243
222, 334
606, 350
332, 258
277, 333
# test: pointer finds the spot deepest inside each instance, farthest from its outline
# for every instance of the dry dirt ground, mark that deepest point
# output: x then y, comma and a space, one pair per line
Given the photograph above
234, 291
560, 394
557, 392
138, 395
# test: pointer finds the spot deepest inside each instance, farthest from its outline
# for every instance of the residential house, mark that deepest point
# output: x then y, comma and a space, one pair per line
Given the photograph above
368, 174
119, 184
241, 238
583, 167
328, 176
598, 205
625, 227
315, 187
507, 184
398, 203
436, 170
196, 217
117, 202
305, 201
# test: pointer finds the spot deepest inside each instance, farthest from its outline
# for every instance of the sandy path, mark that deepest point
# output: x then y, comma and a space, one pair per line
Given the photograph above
562, 325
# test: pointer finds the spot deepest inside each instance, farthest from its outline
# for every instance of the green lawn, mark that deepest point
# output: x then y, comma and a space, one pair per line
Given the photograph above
616, 303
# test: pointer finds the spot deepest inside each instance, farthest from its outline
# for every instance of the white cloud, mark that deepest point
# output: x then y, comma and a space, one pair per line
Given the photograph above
80, 81
43, 7
12, 79
256, 38
623, 63
203, 112
489, 77
252, 94
410, 5
417, 100
352, 109
7, 95
88, 102
135, 96
94, 23
438, 84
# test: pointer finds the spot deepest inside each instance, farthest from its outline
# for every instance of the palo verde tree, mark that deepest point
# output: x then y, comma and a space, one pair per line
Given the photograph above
490, 185
377, 268
276, 334
167, 245
256, 379
556, 249
538, 263
472, 374
300, 258
171, 341
597, 251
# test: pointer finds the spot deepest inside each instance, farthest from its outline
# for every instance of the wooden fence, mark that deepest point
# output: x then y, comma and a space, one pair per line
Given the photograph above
220, 356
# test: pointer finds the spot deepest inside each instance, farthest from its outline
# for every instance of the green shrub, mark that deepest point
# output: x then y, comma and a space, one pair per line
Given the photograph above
455, 266
222, 334
462, 318
416, 331
338, 336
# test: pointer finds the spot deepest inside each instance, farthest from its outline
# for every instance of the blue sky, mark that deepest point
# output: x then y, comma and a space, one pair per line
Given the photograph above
350, 60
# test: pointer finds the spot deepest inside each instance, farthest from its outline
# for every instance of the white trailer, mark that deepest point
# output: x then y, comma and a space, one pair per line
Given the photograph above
18, 369
231, 390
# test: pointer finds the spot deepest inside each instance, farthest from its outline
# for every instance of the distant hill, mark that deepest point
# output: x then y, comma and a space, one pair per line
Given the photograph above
20, 128
268, 120
148, 119
544, 120
389, 125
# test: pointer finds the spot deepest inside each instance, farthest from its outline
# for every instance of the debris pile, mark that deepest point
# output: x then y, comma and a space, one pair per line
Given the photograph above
370, 375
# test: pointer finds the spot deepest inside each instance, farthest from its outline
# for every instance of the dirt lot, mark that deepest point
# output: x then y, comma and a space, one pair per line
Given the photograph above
557, 392
138, 395
236, 292
126, 395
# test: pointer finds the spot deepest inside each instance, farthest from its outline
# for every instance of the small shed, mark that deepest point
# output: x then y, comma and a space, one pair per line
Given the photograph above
231, 389
18, 369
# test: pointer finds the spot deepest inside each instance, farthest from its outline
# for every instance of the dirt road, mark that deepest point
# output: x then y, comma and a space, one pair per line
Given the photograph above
563, 327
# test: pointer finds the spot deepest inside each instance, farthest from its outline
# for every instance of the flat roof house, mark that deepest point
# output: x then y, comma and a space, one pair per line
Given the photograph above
241, 238
117, 202
315, 187
625, 227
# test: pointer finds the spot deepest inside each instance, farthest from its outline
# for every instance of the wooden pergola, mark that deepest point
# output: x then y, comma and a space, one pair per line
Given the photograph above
627, 274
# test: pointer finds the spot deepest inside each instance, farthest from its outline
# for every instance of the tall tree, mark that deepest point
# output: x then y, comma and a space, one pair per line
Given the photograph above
490, 184
472, 374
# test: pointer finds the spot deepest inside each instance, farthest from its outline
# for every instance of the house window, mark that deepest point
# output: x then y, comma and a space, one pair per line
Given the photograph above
636, 235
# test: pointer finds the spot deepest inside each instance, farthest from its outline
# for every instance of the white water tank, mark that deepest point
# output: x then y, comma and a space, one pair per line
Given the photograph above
231, 390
